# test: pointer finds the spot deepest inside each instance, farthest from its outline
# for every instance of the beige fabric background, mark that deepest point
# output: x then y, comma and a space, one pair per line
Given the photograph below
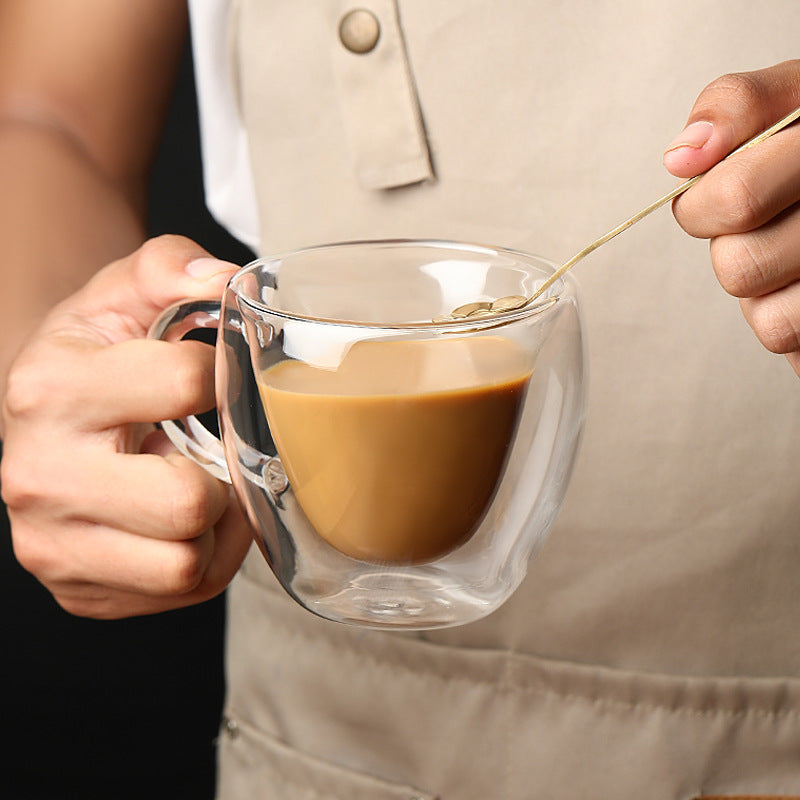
653, 650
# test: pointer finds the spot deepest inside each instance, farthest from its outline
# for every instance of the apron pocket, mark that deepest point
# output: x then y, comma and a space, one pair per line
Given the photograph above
255, 765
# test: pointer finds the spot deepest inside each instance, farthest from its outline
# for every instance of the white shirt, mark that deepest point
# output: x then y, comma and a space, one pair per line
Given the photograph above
227, 172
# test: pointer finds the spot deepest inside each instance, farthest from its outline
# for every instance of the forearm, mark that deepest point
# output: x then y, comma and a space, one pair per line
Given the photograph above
61, 220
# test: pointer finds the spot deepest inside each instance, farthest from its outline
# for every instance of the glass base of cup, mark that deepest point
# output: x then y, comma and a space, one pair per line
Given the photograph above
384, 599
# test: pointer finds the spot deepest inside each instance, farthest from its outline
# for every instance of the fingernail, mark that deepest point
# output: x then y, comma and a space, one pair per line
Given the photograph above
694, 136
205, 268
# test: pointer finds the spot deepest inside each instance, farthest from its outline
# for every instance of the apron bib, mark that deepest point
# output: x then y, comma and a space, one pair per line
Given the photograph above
653, 650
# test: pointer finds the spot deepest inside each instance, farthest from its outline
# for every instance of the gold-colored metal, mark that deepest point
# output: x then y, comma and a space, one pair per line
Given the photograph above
511, 303
359, 31
483, 313
469, 309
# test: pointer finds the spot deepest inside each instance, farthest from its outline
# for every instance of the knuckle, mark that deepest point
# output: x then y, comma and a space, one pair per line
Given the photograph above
16, 487
742, 86
192, 383
12, 491
159, 247
191, 508
775, 328
186, 569
739, 265
33, 554
738, 206
149, 255
15, 491
160, 250
28, 391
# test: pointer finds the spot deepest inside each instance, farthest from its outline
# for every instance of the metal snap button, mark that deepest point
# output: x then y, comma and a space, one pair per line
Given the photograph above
230, 727
359, 30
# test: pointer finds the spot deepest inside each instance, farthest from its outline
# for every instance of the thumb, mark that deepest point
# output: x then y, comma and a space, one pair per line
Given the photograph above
728, 112
123, 299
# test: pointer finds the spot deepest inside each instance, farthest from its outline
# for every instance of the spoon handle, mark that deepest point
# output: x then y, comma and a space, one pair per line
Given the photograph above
678, 190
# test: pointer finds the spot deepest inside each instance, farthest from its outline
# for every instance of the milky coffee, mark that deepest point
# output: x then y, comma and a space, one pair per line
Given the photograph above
396, 454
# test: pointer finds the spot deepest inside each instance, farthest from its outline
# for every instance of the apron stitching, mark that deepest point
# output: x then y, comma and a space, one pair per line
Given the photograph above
502, 679
653, 707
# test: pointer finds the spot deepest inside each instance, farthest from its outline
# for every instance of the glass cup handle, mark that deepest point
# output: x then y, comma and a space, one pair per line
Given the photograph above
188, 434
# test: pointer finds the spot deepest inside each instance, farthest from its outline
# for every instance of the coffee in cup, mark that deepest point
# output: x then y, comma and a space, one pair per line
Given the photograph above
394, 455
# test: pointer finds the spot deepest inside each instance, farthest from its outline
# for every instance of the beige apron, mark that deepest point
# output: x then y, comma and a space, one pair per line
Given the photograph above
654, 649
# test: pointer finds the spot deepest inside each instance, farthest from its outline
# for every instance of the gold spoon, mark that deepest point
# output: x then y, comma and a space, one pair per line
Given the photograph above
515, 301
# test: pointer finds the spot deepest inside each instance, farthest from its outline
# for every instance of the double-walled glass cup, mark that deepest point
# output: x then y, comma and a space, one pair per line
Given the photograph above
399, 467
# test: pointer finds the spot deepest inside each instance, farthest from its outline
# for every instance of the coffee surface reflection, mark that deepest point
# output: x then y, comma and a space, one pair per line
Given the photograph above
395, 455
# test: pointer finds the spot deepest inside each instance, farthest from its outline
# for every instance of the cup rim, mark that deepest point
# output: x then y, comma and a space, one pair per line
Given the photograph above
550, 298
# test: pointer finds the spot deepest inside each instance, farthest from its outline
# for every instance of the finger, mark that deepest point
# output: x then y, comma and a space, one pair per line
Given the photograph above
746, 191
728, 112
123, 300
231, 540
761, 261
103, 602
91, 388
168, 498
94, 554
144, 380
775, 318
